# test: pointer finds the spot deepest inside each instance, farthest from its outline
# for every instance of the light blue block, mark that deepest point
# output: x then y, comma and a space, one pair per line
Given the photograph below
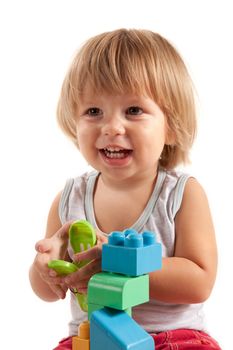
95, 307
116, 330
131, 254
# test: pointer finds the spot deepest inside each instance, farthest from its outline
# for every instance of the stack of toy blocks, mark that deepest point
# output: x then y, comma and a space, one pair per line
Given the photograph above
127, 259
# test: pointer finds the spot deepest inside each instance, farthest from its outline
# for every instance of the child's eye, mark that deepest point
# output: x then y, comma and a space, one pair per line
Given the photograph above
134, 110
94, 111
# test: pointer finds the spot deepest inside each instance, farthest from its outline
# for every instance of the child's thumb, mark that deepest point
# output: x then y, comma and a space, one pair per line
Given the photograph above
43, 246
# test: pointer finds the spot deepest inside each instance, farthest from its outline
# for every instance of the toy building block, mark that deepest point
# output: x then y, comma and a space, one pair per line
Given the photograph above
115, 330
131, 253
95, 307
82, 340
118, 291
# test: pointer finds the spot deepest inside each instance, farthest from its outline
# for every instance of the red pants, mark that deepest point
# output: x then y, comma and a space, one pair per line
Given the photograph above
179, 339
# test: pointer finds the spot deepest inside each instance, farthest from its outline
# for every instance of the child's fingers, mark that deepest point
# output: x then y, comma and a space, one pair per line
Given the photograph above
59, 290
55, 284
80, 286
51, 280
43, 246
63, 232
89, 254
83, 274
82, 290
41, 262
101, 238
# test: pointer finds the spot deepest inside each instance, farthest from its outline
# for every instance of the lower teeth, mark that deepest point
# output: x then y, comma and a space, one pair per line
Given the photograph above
115, 155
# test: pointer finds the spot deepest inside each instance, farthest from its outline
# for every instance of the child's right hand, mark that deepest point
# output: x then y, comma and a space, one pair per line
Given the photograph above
79, 280
50, 249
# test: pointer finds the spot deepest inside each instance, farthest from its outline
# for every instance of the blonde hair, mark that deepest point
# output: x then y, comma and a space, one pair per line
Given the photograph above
140, 62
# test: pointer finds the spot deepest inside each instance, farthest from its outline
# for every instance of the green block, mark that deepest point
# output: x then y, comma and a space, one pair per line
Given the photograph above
118, 291
95, 307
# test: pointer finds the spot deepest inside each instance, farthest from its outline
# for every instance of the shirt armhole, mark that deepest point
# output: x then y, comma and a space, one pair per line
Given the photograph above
63, 207
178, 194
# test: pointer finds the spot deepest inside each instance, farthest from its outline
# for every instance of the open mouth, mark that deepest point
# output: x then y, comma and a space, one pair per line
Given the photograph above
116, 153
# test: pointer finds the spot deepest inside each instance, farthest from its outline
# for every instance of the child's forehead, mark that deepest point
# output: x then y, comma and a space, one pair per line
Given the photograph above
90, 94
90, 97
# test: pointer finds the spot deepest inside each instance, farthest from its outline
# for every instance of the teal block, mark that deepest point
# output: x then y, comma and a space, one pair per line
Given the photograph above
95, 307
118, 291
115, 330
131, 253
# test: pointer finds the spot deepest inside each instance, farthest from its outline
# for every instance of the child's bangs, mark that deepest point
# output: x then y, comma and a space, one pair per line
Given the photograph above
115, 83
116, 68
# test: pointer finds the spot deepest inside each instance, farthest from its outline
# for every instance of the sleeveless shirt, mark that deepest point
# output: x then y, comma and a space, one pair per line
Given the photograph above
158, 216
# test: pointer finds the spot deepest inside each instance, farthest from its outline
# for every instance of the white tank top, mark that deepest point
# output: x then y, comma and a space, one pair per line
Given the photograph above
158, 216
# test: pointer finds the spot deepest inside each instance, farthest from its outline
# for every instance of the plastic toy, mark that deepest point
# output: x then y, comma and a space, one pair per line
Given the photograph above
62, 267
115, 330
131, 254
82, 340
82, 236
95, 307
118, 291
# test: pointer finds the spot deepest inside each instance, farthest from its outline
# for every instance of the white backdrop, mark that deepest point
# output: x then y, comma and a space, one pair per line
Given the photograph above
37, 41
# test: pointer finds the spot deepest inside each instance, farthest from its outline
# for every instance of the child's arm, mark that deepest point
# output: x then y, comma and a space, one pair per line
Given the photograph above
54, 246
189, 276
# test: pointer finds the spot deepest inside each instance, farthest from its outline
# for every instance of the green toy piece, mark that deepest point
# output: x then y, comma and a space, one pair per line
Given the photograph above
62, 267
82, 237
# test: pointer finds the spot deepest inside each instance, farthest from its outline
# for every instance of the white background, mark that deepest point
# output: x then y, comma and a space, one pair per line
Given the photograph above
37, 42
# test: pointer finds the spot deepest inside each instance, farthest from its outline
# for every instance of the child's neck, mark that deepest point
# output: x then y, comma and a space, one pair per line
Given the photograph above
118, 205
129, 184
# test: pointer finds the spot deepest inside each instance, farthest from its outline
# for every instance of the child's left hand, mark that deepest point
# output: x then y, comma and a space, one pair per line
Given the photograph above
79, 279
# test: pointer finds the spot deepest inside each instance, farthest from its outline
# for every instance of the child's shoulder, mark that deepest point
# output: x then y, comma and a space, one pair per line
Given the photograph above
174, 178
82, 180
78, 186
173, 188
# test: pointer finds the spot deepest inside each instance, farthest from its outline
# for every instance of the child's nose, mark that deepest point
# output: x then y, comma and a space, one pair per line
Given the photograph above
113, 127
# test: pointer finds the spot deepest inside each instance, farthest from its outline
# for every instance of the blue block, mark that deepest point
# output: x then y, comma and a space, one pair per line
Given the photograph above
95, 307
116, 330
131, 253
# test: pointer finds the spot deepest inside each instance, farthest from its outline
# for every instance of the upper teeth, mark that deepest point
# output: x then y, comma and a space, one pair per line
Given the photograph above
113, 149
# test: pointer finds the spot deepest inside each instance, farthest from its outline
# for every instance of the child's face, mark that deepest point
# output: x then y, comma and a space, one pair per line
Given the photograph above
122, 136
